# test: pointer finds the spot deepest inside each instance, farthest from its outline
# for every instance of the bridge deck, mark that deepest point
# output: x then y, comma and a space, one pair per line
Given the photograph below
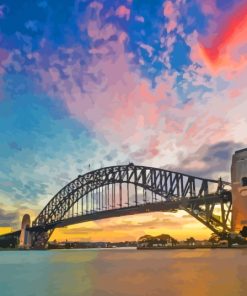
168, 206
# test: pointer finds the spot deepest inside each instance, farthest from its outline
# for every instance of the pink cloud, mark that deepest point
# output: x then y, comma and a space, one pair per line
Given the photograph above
123, 12
171, 26
139, 19
4, 57
96, 5
208, 7
234, 93
105, 33
124, 109
171, 13
121, 107
224, 46
148, 48
168, 9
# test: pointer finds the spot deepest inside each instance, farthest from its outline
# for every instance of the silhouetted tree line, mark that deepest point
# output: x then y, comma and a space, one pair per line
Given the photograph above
162, 239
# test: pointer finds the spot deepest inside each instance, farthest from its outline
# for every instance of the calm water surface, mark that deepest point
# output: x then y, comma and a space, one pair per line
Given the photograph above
105, 272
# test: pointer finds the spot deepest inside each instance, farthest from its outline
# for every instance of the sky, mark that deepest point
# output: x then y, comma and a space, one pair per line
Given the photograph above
99, 83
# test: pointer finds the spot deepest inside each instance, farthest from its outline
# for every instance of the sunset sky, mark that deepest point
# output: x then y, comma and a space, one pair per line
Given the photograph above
99, 83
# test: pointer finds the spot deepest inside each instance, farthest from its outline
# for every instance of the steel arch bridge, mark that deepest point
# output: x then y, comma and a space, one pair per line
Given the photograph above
131, 189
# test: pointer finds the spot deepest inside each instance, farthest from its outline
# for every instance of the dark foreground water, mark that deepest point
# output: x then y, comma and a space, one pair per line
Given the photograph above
120, 272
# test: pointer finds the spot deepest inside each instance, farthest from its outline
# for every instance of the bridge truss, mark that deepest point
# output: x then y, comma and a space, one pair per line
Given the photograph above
130, 189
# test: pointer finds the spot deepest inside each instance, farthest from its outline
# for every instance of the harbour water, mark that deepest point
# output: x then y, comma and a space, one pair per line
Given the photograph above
118, 272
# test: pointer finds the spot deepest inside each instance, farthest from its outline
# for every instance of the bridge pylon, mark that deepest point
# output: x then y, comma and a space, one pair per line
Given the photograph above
25, 236
239, 190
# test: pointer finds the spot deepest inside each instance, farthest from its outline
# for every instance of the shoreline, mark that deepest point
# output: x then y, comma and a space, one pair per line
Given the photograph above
192, 247
137, 248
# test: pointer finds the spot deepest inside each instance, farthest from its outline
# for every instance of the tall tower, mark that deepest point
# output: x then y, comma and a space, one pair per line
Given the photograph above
239, 190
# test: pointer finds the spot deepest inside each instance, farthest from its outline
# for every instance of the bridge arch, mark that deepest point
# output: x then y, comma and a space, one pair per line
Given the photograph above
101, 194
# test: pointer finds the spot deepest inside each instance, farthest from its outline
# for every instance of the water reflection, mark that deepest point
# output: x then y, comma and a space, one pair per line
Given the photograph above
124, 272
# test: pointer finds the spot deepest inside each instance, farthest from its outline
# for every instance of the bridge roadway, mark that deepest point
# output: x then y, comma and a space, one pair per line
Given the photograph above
168, 206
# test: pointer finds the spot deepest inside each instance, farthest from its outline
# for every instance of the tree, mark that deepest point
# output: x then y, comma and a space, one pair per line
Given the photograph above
174, 241
147, 239
243, 232
191, 241
214, 238
163, 238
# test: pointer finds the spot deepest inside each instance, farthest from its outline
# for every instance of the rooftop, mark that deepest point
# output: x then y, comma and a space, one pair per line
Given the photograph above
241, 150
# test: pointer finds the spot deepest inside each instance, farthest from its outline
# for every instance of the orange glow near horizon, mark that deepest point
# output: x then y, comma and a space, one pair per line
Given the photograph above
5, 229
129, 228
